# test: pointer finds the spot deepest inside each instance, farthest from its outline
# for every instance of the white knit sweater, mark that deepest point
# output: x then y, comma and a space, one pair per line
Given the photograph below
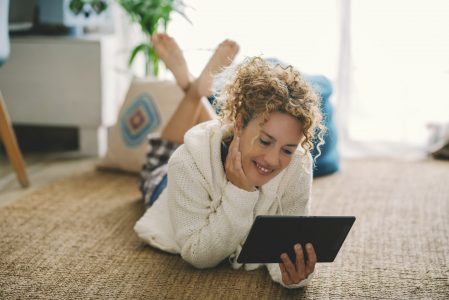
206, 218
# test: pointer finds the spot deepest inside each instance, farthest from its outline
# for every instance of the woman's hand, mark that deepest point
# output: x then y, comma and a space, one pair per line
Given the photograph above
234, 169
293, 273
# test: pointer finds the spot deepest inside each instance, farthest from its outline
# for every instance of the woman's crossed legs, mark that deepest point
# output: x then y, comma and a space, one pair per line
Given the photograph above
194, 107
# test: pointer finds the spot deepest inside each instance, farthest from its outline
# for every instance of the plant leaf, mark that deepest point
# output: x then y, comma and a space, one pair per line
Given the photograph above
154, 58
149, 14
137, 49
183, 15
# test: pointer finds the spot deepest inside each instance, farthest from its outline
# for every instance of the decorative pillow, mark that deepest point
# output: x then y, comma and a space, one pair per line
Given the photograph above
148, 106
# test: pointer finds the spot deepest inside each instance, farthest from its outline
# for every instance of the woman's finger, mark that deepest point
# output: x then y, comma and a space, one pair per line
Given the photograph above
238, 158
311, 259
238, 164
235, 144
285, 277
234, 167
300, 266
289, 266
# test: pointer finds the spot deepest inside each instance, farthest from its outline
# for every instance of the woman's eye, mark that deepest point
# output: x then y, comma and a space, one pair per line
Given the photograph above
264, 142
288, 152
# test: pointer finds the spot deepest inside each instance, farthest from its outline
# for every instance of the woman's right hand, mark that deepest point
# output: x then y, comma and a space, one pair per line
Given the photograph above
295, 272
234, 168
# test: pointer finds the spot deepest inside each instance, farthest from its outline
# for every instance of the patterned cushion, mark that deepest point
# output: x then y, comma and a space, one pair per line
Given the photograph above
148, 106
141, 118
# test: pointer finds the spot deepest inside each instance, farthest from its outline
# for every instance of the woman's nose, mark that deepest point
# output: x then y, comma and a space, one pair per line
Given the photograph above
272, 158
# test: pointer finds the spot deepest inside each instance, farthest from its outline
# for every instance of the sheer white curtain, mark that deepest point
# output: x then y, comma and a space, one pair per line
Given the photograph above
388, 60
393, 75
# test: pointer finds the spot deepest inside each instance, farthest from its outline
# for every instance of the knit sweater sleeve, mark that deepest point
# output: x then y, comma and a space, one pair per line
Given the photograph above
206, 234
296, 201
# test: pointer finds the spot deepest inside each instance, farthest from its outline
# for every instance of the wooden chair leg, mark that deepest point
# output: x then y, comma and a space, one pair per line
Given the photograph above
10, 142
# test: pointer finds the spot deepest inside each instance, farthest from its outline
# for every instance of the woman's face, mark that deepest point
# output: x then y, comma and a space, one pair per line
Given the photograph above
268, 150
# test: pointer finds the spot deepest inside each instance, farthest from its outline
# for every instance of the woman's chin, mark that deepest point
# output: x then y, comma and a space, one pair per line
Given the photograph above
260, 180
256, 177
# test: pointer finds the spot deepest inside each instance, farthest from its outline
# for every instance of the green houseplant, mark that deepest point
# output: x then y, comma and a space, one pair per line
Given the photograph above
150, 15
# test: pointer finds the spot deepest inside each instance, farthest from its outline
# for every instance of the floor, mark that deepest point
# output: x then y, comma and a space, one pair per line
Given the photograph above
42, 168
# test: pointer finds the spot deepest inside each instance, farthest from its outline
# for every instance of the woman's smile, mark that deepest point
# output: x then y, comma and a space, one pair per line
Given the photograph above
264, 171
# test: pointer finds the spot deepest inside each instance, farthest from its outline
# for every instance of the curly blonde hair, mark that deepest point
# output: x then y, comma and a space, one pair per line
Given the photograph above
260, 88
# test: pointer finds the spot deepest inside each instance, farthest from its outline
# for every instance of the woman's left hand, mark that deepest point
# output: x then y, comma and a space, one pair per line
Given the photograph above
293, 273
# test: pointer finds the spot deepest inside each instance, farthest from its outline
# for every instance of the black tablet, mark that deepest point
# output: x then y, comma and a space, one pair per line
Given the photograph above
270, 236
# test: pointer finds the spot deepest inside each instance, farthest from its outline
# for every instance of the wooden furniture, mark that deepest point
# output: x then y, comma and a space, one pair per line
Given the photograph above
12, 149
6, 131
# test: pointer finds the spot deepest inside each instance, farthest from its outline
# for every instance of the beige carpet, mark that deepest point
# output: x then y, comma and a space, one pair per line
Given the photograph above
74, 240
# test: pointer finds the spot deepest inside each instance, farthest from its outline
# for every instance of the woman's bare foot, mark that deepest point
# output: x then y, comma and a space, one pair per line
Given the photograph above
170, 53
223, 57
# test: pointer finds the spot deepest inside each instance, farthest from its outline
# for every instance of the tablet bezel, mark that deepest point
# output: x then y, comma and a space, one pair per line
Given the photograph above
272, 235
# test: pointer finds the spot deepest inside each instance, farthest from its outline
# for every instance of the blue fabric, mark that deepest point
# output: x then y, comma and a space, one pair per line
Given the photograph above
329, 160
158, 190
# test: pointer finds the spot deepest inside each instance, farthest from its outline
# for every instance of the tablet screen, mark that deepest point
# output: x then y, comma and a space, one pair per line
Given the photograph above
270, 236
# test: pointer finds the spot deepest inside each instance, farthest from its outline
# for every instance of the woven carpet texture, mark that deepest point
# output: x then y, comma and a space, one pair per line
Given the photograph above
74, 239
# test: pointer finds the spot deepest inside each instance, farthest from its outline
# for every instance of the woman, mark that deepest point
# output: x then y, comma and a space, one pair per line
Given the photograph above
254, 160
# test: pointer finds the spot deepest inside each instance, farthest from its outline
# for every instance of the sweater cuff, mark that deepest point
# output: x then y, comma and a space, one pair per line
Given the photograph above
303, 283
275, 273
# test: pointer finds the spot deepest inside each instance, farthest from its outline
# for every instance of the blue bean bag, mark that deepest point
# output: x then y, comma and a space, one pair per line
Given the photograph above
329, 160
